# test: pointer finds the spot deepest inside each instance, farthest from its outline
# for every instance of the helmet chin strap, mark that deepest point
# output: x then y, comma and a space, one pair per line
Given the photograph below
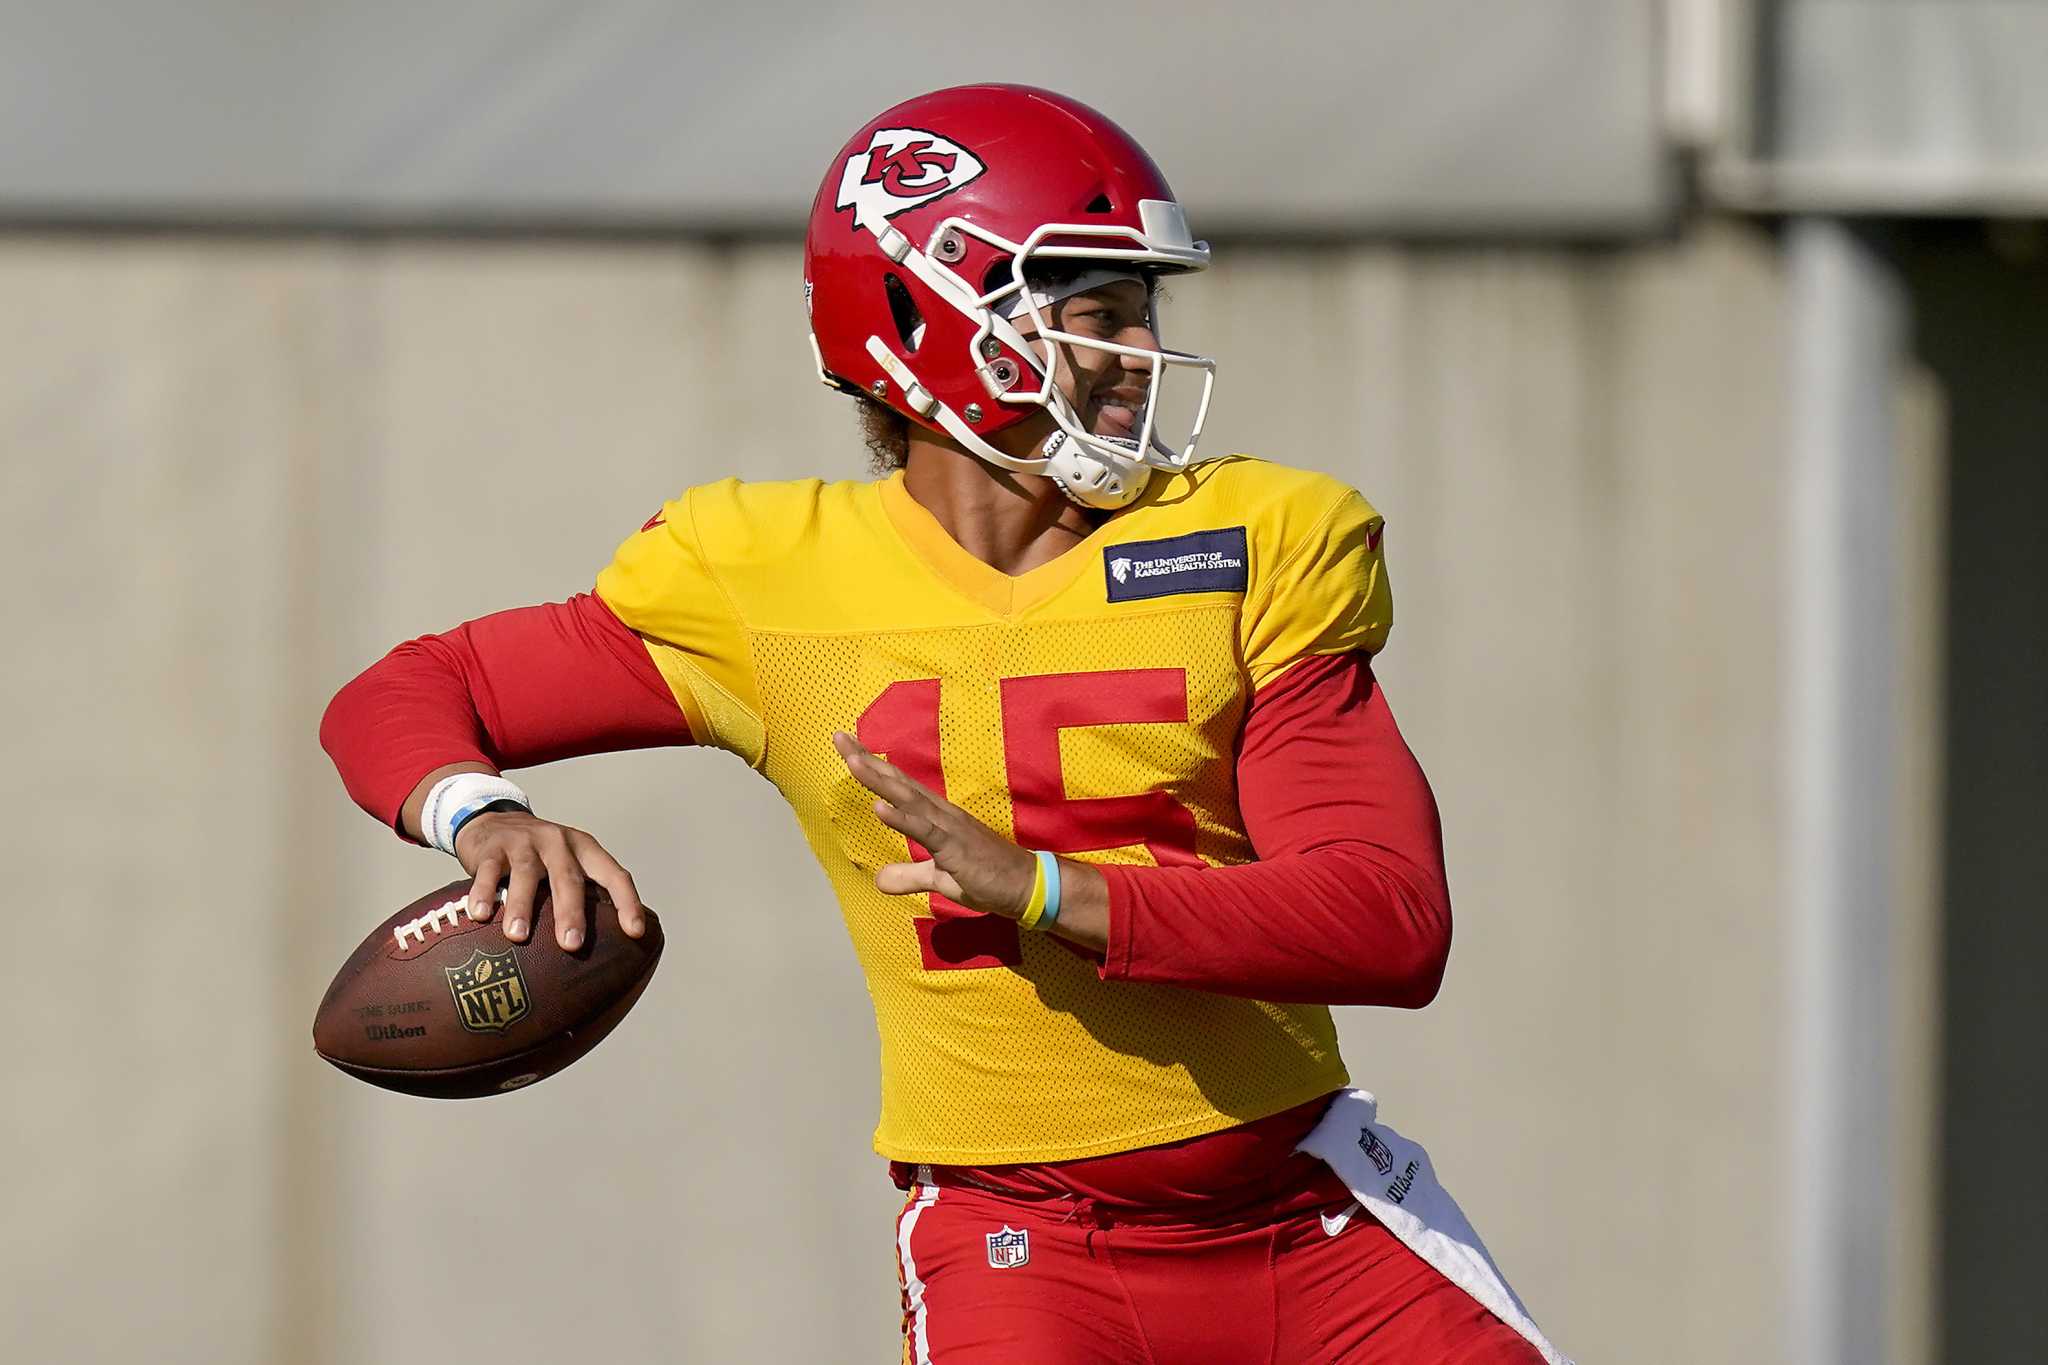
1091, 478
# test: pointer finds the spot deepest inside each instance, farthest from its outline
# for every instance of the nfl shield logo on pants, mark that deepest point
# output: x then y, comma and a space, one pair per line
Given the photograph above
1008, 1248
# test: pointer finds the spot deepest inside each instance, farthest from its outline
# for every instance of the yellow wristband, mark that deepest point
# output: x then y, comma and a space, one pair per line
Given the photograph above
1034, 908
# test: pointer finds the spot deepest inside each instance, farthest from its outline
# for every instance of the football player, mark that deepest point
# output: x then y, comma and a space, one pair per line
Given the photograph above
1086, 737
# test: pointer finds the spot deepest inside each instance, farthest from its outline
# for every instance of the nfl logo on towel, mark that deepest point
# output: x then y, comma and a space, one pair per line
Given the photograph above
1369, 1143
1009, 1248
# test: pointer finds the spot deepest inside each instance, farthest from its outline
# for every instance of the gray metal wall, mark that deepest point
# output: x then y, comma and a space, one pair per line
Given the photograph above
1462, 116
232, 471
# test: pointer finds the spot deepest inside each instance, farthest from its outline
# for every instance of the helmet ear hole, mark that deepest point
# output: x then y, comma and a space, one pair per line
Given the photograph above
1100, 204
904, 313
996, 276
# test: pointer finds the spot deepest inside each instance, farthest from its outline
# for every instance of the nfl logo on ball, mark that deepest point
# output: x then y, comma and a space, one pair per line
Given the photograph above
1009, 1248
490, 994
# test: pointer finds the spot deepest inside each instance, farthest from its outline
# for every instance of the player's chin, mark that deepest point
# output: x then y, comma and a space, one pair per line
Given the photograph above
1118, 424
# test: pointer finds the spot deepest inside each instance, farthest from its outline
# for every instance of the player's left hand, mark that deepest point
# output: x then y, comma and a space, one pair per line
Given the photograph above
970, 863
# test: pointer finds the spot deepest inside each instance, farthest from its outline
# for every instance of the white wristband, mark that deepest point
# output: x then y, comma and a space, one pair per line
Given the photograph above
453, 800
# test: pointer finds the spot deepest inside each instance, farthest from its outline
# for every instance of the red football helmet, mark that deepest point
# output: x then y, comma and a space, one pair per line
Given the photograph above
952, 216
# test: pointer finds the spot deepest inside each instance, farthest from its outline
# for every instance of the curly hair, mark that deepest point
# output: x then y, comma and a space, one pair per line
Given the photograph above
886, 433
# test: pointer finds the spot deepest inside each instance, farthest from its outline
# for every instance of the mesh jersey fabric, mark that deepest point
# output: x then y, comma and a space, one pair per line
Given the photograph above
1062, 713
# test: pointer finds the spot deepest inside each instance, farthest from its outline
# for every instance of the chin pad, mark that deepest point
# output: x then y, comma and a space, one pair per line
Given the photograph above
1091, 478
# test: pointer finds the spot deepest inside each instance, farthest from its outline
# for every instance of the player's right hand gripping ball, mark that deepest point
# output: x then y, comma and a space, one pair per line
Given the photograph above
434, 1003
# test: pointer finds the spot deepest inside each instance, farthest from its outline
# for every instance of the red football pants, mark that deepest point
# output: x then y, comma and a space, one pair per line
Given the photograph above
990, 1279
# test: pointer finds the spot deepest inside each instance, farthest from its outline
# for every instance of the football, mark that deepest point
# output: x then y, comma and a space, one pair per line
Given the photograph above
435, 1004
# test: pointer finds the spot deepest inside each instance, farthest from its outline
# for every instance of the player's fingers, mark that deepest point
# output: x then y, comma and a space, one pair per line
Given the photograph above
521, 888
565, 890
910, 824
907, 879
483, 890
914, 879
871, 772
913, 797
604, 869
879, 775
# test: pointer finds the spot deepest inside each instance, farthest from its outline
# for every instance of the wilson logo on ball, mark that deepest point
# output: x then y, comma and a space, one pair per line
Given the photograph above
490, 994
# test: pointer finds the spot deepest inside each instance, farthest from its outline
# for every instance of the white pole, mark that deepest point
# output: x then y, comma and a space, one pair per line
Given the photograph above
1848, 332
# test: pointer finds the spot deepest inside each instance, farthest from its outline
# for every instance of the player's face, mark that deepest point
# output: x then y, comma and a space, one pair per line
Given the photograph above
1107, 390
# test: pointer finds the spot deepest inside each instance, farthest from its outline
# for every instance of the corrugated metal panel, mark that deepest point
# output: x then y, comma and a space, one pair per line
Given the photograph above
1461, 115
1920, 86
1897, 108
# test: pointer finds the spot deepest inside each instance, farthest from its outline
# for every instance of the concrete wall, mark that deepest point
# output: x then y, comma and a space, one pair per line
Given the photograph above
233, 471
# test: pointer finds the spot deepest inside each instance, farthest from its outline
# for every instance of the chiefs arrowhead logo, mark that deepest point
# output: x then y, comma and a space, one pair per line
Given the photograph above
901, 169
911, 169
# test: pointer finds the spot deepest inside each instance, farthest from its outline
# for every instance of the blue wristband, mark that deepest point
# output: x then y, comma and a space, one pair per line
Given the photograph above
468, 813
1051, 863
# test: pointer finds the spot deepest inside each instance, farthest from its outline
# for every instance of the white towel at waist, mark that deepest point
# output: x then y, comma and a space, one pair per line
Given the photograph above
1391, 1177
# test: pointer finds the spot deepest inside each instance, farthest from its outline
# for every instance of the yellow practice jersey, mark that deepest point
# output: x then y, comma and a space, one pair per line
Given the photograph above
1090, 706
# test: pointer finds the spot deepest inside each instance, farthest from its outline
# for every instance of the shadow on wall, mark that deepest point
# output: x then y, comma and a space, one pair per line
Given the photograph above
1981, 308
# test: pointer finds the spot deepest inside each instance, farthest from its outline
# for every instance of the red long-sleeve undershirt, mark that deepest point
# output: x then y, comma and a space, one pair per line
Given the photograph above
1346, 905
511, 690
